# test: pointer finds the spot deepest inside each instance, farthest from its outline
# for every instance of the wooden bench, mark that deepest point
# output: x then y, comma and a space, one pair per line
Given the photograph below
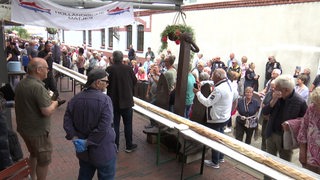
17, 171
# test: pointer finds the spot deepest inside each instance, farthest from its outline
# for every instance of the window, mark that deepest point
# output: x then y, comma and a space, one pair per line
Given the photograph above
140, 38
90, 38
129, 36
103, 37
110, 37
84, 39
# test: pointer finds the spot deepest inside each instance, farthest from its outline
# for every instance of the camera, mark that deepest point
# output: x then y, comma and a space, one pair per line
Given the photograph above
195, 85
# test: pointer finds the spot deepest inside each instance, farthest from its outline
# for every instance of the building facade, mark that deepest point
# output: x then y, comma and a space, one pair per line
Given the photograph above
256, 29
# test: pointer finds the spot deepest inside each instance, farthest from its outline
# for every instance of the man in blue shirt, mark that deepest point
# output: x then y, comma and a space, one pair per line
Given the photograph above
88, 123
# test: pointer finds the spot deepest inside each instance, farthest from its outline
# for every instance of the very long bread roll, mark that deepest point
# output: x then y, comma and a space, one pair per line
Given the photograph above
292, 172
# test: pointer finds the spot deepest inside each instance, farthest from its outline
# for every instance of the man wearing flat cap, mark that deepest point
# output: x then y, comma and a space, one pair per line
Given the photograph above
88, 123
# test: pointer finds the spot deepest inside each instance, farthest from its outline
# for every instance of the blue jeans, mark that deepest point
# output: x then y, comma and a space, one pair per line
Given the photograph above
216, 156
126, 115
187, 111
106, 172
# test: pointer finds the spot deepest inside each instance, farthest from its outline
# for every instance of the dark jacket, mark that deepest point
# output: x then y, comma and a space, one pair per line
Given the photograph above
121, 85
270, 67
284, 109
89, 115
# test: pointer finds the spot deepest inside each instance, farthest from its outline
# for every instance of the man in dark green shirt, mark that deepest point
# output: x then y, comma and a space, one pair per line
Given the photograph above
33, 107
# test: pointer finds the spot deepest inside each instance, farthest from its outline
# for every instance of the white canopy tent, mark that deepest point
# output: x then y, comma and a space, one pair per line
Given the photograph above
78, 5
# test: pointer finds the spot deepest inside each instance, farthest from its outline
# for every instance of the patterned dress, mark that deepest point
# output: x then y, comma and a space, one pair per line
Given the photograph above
310, 134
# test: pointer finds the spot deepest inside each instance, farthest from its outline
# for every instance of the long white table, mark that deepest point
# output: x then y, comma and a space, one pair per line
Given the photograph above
75, 76
161, 120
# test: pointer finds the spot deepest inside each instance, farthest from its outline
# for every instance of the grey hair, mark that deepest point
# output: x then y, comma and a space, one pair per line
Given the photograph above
248, 88
285, 81
204, 76
278, 71
303, 78
315, 96
171, 59
220, 73
117, 56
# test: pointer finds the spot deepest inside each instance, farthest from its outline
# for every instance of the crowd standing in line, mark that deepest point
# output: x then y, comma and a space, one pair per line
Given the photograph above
278, 94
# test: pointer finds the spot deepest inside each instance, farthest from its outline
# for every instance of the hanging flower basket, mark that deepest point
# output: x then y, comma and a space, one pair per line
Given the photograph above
52, 30
173, 32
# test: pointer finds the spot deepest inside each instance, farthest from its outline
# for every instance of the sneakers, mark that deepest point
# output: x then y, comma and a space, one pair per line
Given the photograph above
227, 130
221, 160
211, 164
131, 149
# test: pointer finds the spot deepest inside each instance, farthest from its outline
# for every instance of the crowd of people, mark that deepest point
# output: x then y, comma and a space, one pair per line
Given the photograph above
92, 119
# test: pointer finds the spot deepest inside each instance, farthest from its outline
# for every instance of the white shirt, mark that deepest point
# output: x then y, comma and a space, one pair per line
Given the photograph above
220, 100
101, 64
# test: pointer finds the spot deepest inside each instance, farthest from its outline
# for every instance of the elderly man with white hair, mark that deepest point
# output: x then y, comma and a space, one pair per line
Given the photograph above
275, 73
101, 63
220, 103
285, 104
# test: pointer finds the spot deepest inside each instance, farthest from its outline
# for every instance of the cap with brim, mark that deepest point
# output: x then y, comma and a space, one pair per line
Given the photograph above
94, 75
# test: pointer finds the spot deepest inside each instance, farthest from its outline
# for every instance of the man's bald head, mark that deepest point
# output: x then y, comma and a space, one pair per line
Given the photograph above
38, 68
33, 64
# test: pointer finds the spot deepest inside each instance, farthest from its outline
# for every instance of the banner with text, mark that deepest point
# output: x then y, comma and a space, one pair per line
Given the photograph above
48, 14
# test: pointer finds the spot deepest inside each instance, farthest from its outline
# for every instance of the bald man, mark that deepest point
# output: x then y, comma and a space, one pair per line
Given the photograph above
33, 107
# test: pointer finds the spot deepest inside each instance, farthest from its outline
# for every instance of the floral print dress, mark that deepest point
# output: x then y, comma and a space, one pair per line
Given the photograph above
310, 134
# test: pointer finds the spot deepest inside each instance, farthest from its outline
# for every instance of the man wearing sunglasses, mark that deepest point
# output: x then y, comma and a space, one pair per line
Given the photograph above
88, 123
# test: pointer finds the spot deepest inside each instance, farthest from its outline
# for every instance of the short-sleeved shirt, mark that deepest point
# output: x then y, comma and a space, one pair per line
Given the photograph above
316, 81
171, 77
249, 109
190, 93
49, 60
30, 96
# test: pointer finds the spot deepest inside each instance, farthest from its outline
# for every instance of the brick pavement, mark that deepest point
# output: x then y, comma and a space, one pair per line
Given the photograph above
139, 165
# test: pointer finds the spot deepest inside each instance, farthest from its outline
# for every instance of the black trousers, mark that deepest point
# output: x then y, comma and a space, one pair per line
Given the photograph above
50, 83
241, 129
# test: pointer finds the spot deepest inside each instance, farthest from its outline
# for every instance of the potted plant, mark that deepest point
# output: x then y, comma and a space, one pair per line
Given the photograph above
173, 32
52, 30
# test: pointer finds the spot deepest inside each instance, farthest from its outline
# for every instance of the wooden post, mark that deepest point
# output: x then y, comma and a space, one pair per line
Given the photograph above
186, 45
182, 75
3, 60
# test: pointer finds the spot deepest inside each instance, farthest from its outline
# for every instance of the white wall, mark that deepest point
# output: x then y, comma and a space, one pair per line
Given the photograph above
290, 32
74, 38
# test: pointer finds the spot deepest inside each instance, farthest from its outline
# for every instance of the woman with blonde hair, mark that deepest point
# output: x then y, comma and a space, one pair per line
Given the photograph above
142, 75
247, 120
